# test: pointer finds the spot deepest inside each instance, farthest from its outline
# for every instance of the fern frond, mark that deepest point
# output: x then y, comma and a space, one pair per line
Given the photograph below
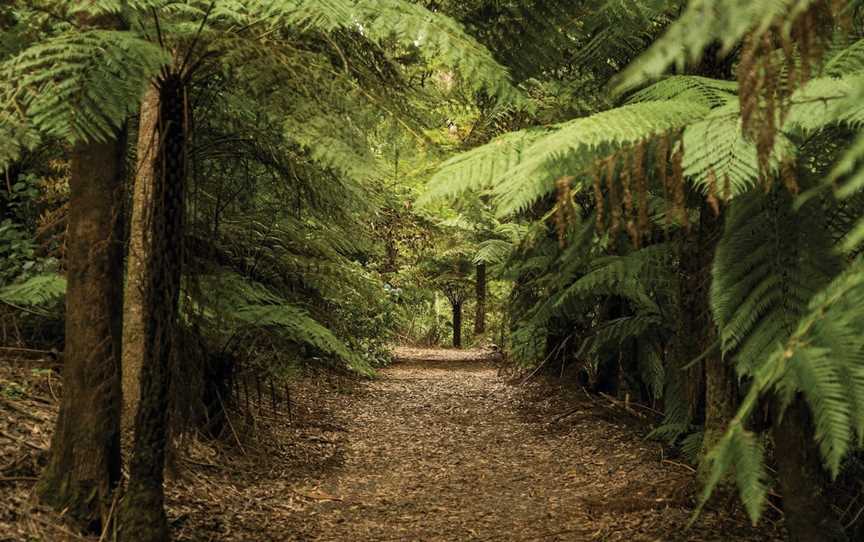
438, 38
81, 87
702, 23
716, 152
742, 451
43, 289
768, 265
480, 168
574, 145
691, 88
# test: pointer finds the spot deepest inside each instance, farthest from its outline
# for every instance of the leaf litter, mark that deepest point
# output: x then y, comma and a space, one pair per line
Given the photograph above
441, 446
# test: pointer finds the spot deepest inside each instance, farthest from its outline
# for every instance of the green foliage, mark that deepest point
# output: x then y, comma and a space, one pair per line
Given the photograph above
702, 23
80, 86
523, 168
40, 290
769, 263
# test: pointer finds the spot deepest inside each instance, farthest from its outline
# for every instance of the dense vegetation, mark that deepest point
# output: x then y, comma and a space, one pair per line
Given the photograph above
662, 198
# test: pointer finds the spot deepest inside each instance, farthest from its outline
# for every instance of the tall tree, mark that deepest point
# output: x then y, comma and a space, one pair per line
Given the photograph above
142, 514
84, 461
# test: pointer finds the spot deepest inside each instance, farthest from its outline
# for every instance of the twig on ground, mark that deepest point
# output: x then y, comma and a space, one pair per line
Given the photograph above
231, 425
11, 404
682, 465
18, 479
621, 404
21, 441
60, 528
567, 414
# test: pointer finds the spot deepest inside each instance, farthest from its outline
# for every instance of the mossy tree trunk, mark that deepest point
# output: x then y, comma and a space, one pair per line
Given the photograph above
84, 460
480, 285
142, 514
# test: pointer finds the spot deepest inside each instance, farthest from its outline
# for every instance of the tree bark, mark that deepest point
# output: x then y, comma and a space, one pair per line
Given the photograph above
480, 285
84, 460
457, 324
809, 517
720, 383
142, 513
137, 256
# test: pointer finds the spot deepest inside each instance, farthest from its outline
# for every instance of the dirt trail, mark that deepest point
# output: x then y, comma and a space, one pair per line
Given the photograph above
441, 448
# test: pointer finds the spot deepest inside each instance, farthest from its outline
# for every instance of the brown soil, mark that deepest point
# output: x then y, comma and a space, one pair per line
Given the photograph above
438, 447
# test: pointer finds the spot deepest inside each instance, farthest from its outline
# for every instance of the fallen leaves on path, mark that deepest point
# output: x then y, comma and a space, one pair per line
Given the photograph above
437, 448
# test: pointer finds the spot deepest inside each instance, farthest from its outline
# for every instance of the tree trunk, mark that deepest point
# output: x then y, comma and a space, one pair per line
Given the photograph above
84, 460
138, 254
457, 324
480, 316
720, 384
809, 517
142, 513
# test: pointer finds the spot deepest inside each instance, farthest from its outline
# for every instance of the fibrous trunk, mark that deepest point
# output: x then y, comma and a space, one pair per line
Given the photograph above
142, 513
457, 324
138, 254
84, 461
480, 317
809, 517
720, 384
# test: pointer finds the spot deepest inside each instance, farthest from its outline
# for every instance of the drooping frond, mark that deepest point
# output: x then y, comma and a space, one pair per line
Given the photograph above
245, 303
822, 359
702, 23
720, 160
742, 451
709, 92
438, 38
480, 168
769, 263
521, 174
80, 86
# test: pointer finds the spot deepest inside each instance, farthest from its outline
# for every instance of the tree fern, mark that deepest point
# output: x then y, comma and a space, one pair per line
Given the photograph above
823, 359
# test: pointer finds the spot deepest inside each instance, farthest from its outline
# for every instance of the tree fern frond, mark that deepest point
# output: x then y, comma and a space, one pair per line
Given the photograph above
768, 265
846, 61
441, 40
480, 168
691, 88
571, 149
299, 327
718, 156
702, 23
742, 451
82, 86
41, 289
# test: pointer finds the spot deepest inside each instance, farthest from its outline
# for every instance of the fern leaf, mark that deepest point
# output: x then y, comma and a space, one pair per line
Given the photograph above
39, 290
81, 87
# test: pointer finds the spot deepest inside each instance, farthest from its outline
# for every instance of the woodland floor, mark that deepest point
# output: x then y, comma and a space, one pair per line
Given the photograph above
440, 447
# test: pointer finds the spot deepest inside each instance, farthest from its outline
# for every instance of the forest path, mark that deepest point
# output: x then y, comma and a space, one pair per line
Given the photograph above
439, 447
